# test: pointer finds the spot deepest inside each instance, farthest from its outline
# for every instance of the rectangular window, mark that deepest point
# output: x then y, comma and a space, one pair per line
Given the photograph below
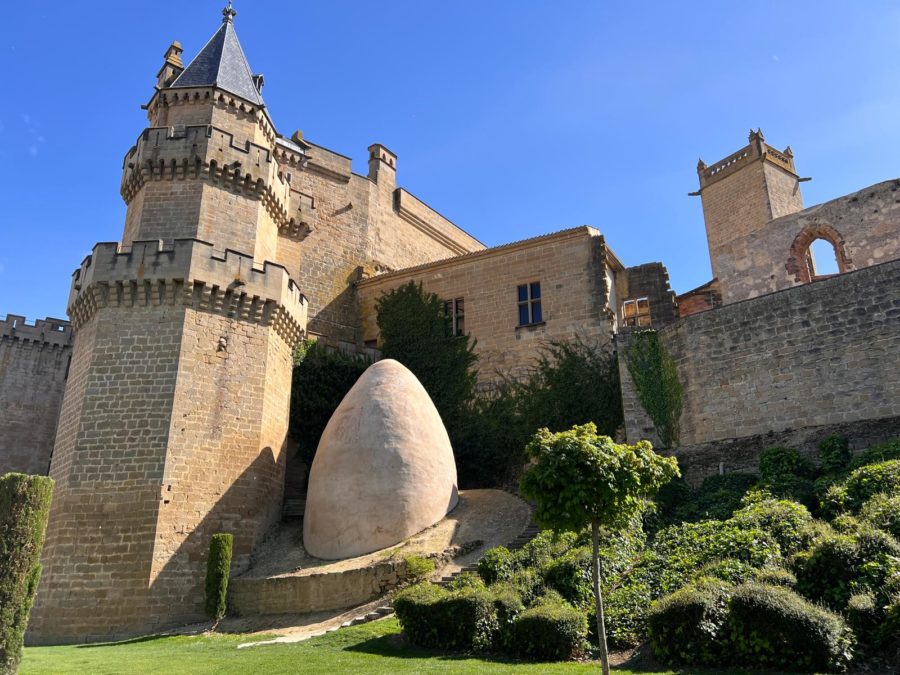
636, 312
456, 311
530, 311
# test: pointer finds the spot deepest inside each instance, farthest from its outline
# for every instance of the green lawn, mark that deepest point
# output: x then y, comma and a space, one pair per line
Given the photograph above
371, 648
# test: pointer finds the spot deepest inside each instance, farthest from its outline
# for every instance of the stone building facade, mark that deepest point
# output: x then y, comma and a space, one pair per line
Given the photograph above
239, 241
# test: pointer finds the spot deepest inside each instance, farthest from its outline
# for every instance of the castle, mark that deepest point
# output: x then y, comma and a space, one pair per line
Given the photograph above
240, 241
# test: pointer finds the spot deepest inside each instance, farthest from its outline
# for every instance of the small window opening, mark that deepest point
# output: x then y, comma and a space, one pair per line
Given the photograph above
821, 258
636, 312
530, 311
455, 310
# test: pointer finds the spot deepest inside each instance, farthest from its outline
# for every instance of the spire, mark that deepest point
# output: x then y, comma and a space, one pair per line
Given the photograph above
222, 63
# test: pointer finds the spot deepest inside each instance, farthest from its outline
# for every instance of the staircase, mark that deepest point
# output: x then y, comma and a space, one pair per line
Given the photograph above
296, 475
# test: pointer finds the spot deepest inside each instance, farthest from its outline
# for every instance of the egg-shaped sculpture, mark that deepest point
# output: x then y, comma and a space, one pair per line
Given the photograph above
384, 468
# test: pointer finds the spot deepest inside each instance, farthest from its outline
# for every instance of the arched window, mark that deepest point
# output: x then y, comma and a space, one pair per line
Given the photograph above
818, 251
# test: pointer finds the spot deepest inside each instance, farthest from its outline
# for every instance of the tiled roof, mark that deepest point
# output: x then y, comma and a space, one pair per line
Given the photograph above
222, 63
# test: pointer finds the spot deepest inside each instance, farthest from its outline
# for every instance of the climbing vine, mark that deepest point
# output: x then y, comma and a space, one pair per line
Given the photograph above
655, 378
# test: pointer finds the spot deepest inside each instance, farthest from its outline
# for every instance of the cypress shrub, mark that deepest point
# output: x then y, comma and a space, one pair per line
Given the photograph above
24, 508
218, 567
550, 631
772, 626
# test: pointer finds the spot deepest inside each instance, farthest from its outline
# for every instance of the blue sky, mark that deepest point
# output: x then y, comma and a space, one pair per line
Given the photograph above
513, 118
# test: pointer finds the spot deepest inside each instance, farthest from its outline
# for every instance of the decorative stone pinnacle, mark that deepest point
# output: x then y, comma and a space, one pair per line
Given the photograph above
228, 13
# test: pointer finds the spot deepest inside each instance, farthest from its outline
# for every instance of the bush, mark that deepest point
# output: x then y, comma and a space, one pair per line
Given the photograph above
218, 568
834, 454
776, 576
466, 580
547, 546
418, 568
834, 501
877, 453
867, 481
786, 473
864, 617
889, 635
24, 509
461, 620
625, 609
570, 576
720, 495
774, 627
733, 571
527, 583
497, 564
782, 519
883, 512
551, 631
685, 627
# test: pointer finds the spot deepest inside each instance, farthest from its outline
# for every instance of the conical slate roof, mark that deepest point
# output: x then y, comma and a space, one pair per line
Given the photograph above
222, 63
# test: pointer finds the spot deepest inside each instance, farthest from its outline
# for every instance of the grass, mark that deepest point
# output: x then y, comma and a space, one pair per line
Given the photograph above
371, 648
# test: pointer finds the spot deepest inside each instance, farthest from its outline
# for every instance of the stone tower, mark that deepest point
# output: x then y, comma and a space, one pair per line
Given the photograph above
741, 194
175, 414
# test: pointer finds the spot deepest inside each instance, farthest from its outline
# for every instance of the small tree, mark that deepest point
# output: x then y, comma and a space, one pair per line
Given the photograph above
579, 479
24, 509
218, 568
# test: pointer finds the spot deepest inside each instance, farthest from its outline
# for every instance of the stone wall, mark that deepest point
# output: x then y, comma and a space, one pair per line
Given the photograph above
34, 362
821, 354
570, 266
651, 281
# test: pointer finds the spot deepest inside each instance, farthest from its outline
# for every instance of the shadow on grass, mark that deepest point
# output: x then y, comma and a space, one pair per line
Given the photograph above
128, 641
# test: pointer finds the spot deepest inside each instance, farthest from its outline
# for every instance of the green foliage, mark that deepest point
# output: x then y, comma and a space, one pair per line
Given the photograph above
578, 477
321, 379
462, 620
782, 519
865, 617
882, 452
883, 512
655, 378
786, 473
834, 501
466, 580
218, 568
720, 495
570, 576
418, 567
685, 548
889, 634
24, 509
626, 608
776, 576
550, 631
771, 626
573, 382
835, 454
416, 332
685, 627
732, 571
867, 481
496, 564
546, 547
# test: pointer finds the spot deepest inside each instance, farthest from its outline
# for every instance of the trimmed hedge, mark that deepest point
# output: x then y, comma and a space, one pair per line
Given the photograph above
218, 568
774, 627
782, 519
883, 512
24, 509
551, 631
776, 576
685, 627
867, 481
461, 620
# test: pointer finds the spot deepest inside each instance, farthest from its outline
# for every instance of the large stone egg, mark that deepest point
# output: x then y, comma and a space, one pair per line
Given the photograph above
384, 468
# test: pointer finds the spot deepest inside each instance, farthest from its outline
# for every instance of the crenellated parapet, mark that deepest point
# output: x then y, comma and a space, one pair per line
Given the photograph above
190, 273
205, 152
49, 331
756, 149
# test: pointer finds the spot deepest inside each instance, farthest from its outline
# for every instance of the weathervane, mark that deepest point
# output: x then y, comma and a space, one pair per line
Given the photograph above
229, 13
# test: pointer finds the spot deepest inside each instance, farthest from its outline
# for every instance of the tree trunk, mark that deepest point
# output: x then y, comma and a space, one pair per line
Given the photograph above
598, 598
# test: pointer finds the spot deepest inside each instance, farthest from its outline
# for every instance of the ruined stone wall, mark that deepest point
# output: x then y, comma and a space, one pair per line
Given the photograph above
570, 265
820, 354
864, 226
651, 281
34, 361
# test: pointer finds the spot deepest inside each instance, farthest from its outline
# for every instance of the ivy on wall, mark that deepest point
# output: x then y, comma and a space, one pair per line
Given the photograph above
656, 381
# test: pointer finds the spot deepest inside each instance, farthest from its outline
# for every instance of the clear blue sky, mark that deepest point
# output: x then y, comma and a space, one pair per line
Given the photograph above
513, 118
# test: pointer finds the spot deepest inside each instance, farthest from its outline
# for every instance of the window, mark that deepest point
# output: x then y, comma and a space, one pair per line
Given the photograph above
456, 310
821, 258
636, 312
530, 304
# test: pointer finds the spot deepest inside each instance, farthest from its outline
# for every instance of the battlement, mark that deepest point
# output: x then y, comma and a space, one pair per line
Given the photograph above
756, 149
189, 272
50, 331
206, 152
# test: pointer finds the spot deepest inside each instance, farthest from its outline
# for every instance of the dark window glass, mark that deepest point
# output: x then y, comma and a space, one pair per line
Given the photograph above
523, 314
536, 316
535, 290
523, 292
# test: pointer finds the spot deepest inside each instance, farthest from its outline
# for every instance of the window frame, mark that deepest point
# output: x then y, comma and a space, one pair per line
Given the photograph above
455, 310
635, 320
531, 302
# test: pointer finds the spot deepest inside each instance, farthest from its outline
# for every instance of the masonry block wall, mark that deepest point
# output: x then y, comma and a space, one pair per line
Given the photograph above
173, 427
571, 268
34, 362
819, 354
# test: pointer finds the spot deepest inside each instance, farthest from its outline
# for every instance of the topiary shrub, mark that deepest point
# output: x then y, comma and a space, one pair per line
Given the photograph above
549, 631
461, 620
867, 481
527, 582
774, 627
24, 509
864, 617
497, 564
570, 576
218, 568
418, 568
776, 576
883, 512
685, 627
782, 519
835, 454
